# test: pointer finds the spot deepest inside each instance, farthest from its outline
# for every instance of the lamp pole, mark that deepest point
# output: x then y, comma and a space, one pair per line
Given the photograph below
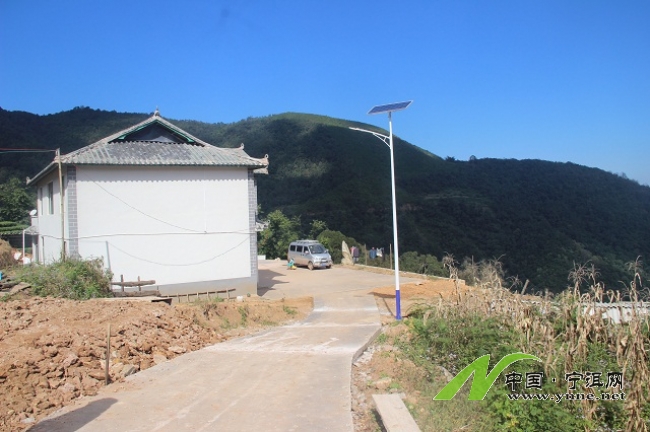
388, 140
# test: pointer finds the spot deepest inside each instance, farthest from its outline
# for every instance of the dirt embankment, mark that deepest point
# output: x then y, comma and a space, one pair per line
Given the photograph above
416, 294
54, 350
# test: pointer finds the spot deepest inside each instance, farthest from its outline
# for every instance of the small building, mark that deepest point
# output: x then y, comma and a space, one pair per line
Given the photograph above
156, 203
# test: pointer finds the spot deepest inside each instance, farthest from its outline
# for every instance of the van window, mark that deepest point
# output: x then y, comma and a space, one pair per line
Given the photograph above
292, 248
317, 249
299, 248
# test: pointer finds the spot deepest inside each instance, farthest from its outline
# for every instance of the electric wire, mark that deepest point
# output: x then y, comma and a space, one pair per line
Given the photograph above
165, 264
143, 213
177, 264
245, 232
23, 150
95, 236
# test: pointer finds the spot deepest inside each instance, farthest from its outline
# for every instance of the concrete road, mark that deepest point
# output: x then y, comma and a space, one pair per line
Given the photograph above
290, 378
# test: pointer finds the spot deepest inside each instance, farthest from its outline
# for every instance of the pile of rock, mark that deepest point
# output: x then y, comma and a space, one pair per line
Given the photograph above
54, 350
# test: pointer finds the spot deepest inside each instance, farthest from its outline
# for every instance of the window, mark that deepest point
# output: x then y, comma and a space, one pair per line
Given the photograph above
50, 197
317, 249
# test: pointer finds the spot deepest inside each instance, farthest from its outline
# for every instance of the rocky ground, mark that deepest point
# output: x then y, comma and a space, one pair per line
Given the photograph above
54, 350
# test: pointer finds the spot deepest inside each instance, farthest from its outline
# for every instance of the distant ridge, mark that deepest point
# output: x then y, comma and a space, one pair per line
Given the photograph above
540, 217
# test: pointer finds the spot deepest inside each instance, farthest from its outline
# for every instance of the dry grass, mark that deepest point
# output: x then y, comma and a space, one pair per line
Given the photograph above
6, 256
569, 332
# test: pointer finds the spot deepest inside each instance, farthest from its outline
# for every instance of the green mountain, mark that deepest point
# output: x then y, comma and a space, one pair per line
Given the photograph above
539, 217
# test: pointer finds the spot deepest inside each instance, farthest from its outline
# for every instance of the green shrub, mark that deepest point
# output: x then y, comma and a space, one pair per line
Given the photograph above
332, 241
282, 230
423, 264
455, 341
74, 279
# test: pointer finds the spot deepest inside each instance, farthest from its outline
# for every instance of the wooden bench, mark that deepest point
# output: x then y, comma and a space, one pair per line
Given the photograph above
394, 414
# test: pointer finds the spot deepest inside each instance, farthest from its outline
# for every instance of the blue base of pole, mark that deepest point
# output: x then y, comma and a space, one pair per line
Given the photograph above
398, 306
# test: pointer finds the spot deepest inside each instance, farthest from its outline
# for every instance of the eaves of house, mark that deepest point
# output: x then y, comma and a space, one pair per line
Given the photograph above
156, 142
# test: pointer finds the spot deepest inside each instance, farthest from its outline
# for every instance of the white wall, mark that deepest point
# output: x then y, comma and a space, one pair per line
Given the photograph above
170, 224
49, 225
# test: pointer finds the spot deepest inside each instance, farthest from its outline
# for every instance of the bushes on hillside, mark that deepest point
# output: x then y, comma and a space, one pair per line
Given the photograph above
74, 279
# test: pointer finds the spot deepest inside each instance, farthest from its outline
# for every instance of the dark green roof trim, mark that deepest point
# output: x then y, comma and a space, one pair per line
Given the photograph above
189, 138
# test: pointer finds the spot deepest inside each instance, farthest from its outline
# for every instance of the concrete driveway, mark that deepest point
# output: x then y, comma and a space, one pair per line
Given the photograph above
290, 378
276, 281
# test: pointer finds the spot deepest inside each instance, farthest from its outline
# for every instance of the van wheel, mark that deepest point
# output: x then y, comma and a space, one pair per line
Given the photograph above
310, 265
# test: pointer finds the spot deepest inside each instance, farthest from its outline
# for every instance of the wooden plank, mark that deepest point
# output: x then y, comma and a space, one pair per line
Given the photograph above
394, 414
8, 284
136, 293
152, 299
139, 283
19, 287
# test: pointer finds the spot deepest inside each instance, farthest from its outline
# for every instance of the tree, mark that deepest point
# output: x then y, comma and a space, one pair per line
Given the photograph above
423, 264
317, 227
274, 241
332, 241
15, 201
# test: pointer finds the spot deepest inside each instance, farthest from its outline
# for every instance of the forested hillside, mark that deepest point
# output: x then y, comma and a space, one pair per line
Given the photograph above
539, 217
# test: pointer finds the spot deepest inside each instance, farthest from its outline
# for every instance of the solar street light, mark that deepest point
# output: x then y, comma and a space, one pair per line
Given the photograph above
388, 140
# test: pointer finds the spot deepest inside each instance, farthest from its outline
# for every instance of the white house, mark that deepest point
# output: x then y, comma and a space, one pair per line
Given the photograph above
154, 202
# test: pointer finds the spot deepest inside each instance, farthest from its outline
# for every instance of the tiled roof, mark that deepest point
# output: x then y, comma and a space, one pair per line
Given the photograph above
159, 153
117, 149
156, 141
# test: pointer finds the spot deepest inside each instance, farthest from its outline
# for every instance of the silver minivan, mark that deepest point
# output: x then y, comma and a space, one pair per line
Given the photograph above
309, 253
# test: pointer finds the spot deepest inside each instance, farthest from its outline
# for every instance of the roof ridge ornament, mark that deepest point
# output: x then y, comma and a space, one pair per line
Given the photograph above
156, 113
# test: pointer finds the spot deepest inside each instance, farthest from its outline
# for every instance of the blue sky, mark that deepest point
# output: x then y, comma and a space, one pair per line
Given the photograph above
524, 79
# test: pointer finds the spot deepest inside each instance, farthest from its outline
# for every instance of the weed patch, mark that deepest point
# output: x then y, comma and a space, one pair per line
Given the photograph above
72, 279
243, 312
291, 311
588, 361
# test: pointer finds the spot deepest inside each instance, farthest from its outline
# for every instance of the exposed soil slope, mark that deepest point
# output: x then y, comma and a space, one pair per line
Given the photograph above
54, 350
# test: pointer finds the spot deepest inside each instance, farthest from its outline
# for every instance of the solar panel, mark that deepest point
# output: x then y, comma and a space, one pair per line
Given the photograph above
390, 107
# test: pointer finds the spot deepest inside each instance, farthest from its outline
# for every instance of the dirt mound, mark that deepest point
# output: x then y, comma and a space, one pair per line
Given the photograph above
416, 293
54, 350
